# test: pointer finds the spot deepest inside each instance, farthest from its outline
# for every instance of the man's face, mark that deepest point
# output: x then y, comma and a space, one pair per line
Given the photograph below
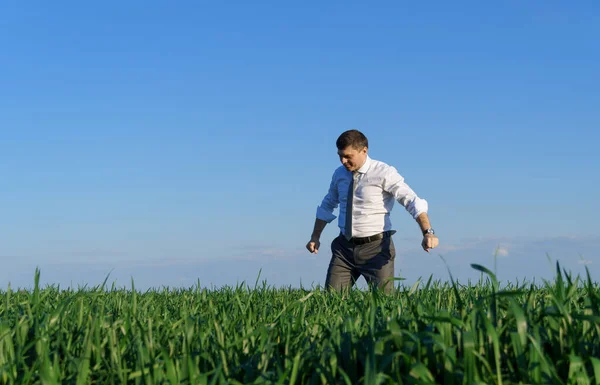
352, 158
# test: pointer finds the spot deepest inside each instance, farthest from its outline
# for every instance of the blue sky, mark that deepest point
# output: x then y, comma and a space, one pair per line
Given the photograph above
180, 141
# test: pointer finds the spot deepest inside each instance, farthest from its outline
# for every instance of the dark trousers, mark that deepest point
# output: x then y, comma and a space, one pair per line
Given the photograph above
373, 260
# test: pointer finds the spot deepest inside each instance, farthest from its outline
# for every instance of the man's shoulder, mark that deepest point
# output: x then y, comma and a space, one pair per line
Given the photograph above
381, 166
339, 171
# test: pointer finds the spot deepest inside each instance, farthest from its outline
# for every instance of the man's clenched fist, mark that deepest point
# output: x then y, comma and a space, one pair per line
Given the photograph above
430, 241
313, 246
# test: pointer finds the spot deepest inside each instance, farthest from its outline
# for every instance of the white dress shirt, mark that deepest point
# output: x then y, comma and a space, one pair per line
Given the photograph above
376, 187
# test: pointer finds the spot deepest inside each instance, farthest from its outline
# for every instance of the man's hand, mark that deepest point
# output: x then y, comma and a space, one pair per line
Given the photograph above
430, 241
313, 245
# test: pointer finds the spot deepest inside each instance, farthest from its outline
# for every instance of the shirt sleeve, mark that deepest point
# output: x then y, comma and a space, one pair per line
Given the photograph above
394, 184
330, 202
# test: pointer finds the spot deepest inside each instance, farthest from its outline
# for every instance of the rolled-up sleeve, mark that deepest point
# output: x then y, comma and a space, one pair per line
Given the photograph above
329, 203
394, 184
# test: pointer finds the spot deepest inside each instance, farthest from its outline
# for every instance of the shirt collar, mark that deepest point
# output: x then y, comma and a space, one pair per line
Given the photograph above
365, 167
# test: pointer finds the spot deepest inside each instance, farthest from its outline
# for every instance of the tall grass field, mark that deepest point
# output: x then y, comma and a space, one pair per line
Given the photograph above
430, 333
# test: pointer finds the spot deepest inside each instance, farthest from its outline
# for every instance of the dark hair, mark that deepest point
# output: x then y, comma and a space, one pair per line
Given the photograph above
353, 138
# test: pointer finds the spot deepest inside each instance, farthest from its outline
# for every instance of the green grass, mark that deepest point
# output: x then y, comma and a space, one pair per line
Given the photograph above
432, 332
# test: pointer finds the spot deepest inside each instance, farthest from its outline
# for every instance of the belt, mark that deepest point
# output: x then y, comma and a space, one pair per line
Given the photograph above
374, 237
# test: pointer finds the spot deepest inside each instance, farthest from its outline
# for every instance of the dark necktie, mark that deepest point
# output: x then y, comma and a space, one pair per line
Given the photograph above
348, 227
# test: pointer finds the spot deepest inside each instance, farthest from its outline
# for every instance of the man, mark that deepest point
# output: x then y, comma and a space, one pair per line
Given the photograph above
366, 190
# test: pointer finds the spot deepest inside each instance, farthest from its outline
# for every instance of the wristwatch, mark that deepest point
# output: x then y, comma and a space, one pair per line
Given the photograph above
428, 231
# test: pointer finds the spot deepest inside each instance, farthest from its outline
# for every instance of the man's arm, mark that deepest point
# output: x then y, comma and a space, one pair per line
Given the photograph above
417, 207
430, 241
423, 221
318, 229
329, 203
394, 184
324, 215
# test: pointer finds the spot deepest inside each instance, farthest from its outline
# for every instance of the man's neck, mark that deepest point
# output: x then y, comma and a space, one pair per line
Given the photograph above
363, 163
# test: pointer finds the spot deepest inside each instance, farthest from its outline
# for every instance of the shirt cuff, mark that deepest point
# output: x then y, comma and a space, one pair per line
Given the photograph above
417, 207
325, 215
